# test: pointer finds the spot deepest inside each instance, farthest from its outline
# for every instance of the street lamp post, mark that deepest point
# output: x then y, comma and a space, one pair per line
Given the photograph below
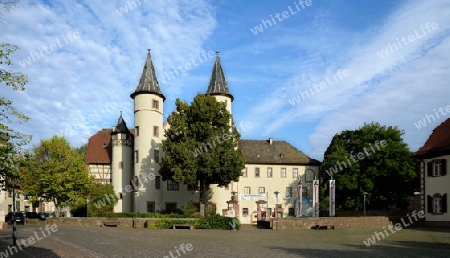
276, 207
364, 194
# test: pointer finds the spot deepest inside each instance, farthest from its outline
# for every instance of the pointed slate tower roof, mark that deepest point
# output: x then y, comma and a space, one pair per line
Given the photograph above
217, 84
121, 126
148, 84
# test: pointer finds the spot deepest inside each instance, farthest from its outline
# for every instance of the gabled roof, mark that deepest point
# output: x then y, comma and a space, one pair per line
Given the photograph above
273, 152
121, 126
438, 144
99, 149
217, 83
148, 84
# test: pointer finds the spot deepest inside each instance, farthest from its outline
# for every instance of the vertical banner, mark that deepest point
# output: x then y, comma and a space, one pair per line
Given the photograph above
332, 198
299, 200
316, 198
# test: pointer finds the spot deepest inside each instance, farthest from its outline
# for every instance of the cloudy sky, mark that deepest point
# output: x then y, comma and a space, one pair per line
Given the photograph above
300, 71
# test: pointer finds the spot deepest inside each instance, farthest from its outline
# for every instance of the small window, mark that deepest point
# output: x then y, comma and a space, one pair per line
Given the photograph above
9, 193
258, 155
156, 131
227, 187
283, 172
120, 165
156, 154
171, 207
256, 172
155, 104
269, 172
136, 156
261, 190
245, 212
247, 190
157, 182
295, 172
136, 131
150, 206
437, 168
244, 172
172, 185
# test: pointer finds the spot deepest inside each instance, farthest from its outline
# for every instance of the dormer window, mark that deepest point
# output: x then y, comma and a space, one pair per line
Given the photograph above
258, 155
282, 156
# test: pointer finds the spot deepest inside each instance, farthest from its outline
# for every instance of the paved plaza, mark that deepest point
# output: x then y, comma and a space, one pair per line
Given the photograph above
248, 242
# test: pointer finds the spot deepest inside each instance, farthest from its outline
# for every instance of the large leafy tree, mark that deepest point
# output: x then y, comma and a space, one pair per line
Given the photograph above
56, 172
201, 145
384, 168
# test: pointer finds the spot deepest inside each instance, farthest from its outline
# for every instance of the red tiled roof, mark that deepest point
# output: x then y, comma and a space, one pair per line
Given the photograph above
99, 148
438, 143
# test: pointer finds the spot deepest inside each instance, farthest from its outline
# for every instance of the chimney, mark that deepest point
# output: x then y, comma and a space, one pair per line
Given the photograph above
270, 141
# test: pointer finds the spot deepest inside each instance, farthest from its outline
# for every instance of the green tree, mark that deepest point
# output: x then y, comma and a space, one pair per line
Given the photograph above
372, 159
101, 200
56, 172
201, 146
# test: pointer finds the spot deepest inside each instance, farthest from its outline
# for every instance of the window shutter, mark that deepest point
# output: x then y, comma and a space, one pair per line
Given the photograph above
430, 204
430, 168
444, 203
444, 167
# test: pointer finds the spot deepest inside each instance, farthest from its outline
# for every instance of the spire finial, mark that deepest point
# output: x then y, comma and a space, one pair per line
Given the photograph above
120, 113
148, 50
217, 52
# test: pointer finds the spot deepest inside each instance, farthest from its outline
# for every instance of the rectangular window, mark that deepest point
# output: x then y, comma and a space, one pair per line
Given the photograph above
283, 172
9, 193
269, 172
10, 208
437, 167
155, 104
261, 190
136, 156
156, 131
256, 172
120, 165
227, 187
245, 212
157, 182
244, 172
150, 206
172, 185
171, 207
289, 192
156, 154
247, 190
295, 172
136, 131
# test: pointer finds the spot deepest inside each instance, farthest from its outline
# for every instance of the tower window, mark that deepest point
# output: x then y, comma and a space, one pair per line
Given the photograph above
156, 154
155, 104
120, 165
136, 131
156, 131
136, 156
157, 182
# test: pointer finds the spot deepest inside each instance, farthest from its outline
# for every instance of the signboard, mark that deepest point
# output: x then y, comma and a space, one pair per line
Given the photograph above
316, 198
332, 198
252, 197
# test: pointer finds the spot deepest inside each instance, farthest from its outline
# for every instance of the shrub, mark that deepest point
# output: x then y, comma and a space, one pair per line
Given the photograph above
216, 221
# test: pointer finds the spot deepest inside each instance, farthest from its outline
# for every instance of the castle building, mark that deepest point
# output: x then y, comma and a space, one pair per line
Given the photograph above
129, 160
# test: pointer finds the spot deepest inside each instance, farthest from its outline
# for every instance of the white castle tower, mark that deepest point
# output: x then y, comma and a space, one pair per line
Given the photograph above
218, 86
148, 121
122, 164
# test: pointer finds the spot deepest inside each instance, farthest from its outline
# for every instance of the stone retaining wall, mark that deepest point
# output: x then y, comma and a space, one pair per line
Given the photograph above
96, 222
337, 222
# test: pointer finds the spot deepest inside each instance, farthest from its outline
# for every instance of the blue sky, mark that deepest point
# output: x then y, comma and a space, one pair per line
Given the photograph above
89, 55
